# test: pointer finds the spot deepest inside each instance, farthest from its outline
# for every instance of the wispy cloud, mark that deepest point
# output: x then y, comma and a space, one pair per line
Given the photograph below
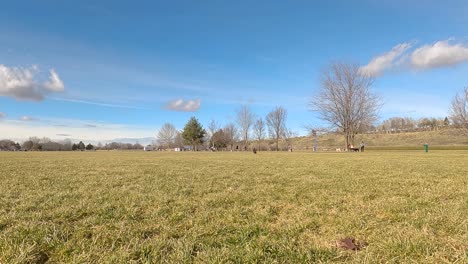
440, 54
378, 65
63, 135
78, 101
184, 106
54, 83
27, 118
23, 83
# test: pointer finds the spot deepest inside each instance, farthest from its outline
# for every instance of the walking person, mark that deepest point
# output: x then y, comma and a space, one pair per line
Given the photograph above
362, 146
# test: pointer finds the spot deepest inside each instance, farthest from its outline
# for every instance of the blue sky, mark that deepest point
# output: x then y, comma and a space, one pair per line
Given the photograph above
109, 69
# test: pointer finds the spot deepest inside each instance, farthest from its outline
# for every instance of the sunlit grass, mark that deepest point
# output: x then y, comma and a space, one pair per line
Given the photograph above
151, 207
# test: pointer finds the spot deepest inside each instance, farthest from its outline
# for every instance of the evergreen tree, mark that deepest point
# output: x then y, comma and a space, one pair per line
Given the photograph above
89, 147
81, 146
193, 133
446, 121
74, 146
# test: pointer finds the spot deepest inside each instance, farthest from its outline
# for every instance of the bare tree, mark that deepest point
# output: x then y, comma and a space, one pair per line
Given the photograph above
288, 135
259, 130
459, 109
167, 135
230, 132
179, 141
245, 119
212, 128
276, 122
345, 99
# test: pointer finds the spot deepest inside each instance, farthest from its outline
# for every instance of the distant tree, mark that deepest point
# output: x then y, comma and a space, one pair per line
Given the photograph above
113, 145
36, 143
137, 146
89, 147
276, 122
28, 145
81, 146
166, 135
17, 146
99, 145
220, 139
7, 145
398, 124
66, 145
212, 128
446, 121
51, 146
259, 131
245, 119
230, 131
288, 136
459, 109
179, 141
193, 133
425, 123
74, 147
345, 99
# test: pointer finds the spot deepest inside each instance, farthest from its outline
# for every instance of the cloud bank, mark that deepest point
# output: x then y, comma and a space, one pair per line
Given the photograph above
25, 83
440, 54
184, 106
378, 65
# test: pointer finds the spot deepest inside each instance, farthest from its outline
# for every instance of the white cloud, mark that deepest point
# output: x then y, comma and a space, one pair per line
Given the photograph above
184, 106
440, 54
24, 83
378, 65
54, 84
27, 118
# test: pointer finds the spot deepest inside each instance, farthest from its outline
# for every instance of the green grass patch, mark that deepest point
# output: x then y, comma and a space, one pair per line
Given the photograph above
153, 207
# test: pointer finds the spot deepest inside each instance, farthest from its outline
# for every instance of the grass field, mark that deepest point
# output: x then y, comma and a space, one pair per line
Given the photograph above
150, 207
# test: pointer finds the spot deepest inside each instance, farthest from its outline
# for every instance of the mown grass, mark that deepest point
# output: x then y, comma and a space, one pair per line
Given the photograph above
151, 207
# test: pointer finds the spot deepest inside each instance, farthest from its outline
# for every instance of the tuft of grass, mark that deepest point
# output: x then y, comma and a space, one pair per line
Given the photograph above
155, 207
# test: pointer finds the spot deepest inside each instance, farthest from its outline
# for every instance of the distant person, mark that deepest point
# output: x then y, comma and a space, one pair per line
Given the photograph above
254, 151
362, 146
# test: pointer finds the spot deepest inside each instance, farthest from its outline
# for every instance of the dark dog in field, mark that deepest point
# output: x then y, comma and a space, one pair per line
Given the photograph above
354, 149
254, 150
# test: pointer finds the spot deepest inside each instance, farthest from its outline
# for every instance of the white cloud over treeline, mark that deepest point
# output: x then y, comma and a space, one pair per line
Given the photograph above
25, 83
184, 105
440, 54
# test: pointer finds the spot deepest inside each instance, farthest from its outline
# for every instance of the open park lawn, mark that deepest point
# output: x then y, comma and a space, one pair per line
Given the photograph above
233, 207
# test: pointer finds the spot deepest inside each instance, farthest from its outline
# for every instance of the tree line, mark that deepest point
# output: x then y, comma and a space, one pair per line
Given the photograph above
344, 101
248, 127
46, 144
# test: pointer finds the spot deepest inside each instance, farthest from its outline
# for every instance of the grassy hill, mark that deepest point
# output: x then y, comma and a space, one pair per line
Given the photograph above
455, 138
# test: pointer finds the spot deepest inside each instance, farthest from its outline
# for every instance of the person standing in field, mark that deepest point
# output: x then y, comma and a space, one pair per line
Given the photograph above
362, 146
